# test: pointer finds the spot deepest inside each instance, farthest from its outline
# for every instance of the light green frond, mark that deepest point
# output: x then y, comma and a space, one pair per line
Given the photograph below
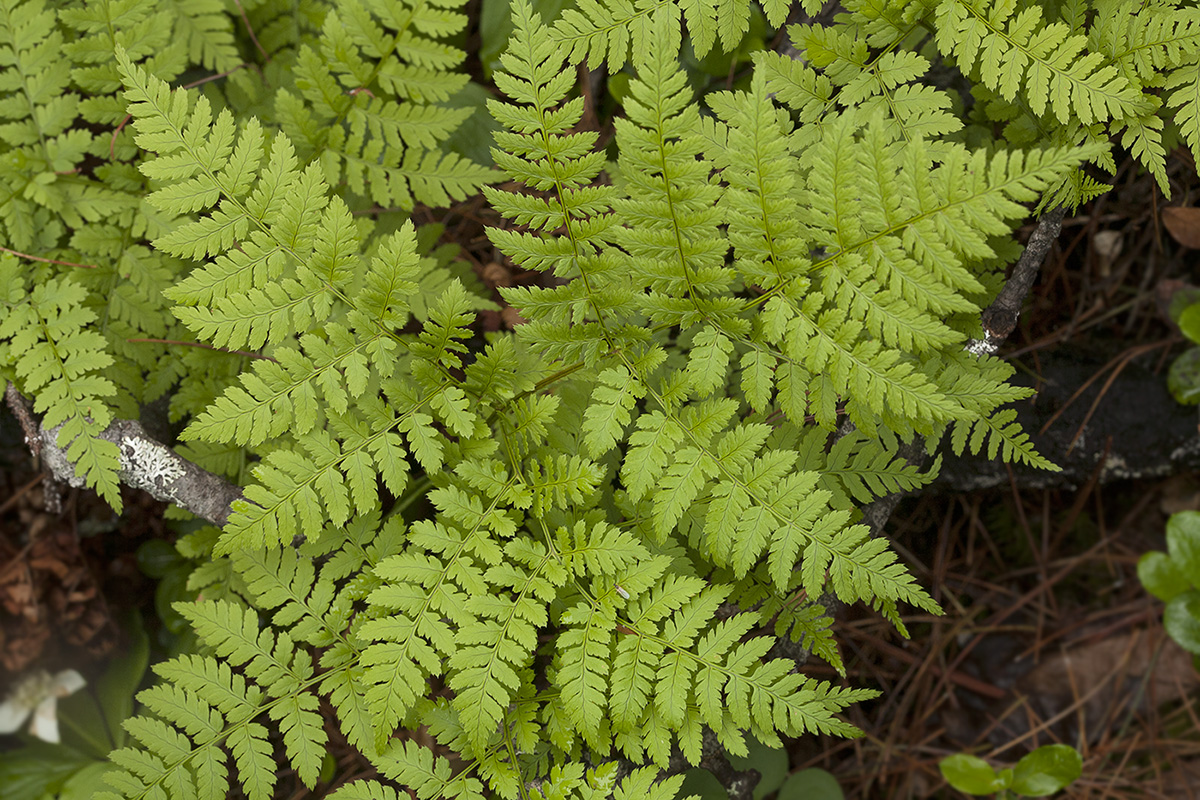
585, 651
607, 31
428, 775
1049, 65
370, 111
1001, 435
1183, 85
57, 359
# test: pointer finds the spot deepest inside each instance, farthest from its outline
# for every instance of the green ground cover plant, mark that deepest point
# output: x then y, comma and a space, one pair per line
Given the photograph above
575, 552
1040, 773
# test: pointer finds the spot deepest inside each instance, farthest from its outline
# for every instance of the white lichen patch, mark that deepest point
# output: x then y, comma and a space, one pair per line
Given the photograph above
981, 347
149, 465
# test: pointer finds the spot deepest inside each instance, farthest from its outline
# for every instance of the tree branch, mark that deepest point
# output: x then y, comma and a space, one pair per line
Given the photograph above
145, 464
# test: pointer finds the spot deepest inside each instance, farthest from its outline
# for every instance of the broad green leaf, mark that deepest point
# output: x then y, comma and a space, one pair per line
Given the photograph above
1046, 770
1189, 322
1183, 379
473, 139
1160, 576
116, 688
1183, 543
28, 772
97, 711
771, 763
82, 785
811, 784
971, 774
1181, 301
1182, 620
702, 784
156, 557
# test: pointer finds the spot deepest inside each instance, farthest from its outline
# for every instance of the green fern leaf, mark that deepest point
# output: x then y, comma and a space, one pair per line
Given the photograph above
584, 651
56, 358
1050, 64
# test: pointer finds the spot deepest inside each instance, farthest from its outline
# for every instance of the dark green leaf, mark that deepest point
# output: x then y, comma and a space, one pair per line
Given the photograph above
1181, 301
770, 762
811, 784
95, 713
173, 589
82, 785
156, 557
28, 772
473, 139
116, 688
703, 784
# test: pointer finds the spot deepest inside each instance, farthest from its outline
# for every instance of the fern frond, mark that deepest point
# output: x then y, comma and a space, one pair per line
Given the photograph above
1183, 85
858, 469
205, 705
48, 348
584, 653
368, 109
428, 775
207, 31
1047, 62
716, 678
1002, 436
669, 203
142, 29
810, 626
874, 85
588, 535
596, 31
39, 187
538, 152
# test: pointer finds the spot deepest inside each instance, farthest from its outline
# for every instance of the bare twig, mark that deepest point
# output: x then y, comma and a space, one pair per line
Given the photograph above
1000, 318
22, 409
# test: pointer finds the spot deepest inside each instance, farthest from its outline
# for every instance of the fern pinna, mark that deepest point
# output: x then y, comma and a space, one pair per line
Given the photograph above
568, 552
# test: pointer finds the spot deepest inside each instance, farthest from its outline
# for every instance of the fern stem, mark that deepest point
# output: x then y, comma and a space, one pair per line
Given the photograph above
19, 254
204, 345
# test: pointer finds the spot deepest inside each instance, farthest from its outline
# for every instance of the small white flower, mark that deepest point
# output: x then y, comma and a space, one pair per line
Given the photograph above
38, 695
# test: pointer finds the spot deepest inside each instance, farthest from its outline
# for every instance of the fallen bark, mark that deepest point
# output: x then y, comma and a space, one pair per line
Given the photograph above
1137, 430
